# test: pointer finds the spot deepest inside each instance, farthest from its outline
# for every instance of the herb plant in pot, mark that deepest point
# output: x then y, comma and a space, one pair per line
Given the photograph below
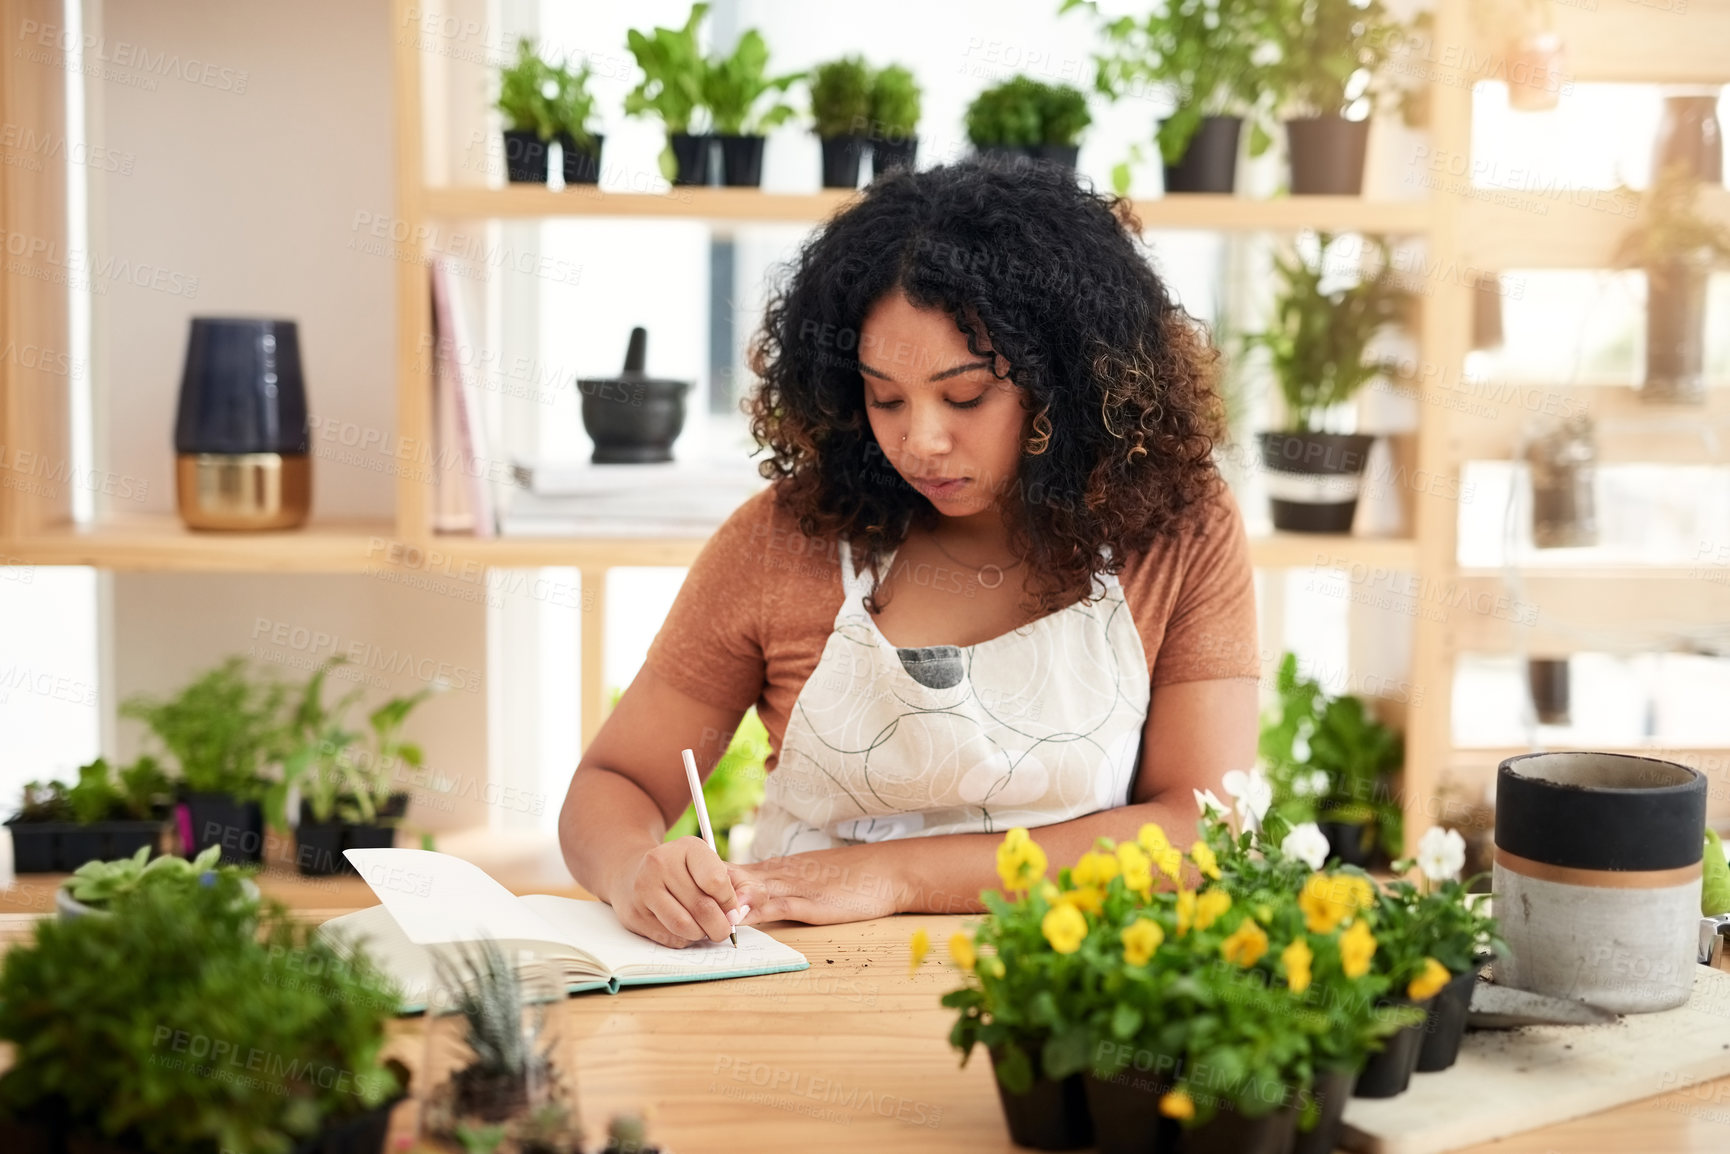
224, 732
1063, 116
1003, 120
894, 119
733, 89
96, 885
347, 778
1318, 350
573, 108
527, 100
672, 89
1204, 54
841, 108
106, 814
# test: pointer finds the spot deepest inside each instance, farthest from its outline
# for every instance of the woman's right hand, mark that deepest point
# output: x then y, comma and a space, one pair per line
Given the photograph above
678, 894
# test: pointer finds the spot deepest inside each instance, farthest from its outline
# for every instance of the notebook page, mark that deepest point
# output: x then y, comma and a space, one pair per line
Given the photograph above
438, 898
629, 955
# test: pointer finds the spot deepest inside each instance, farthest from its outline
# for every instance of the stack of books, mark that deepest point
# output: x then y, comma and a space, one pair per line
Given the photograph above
579, 499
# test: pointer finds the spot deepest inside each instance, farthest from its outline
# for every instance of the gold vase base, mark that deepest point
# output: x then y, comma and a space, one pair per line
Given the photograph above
243, 490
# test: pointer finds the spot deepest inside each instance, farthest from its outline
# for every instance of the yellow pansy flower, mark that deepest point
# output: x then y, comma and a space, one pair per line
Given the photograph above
1136, 867
1064, 927
961, 950
1020, 861
1140, 939
1094, 869
1177, 1104
921, 945
1246, 944
1152, 839
1209, 907
1169, 861
1185, 910
1429, 983
1329, 899
1088, 899
1357, 947
1202, 855
1296, 959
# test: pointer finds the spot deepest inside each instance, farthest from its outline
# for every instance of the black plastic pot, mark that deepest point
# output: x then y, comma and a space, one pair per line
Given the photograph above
1050, 1116
41, 847
633, 418
1064, 155
221, 819
1008, 155
1327, 155
525, 157
1229, 1132
1676, 334
1125, 1114
581, 166
27, 1137
1353, 842
1332, 1088
888, 153
1445, 1028
1313, 479
1547, 678
841, 157
319, 844
1389, 1071
1209, 164
363, 1133
741, 160
691, 155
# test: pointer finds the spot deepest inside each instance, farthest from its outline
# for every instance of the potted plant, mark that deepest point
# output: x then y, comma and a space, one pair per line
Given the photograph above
105, 814
841, 108
192, 1019
1004, 120
96, 885
527, 91
504, 1087
1329, 55
627, 1134
672, 89
1318, 349
1678, 247
733, 88
894, 119
1328, 762
1203, 53
348, 798
573, 106
224, 732
1562, 458
1063, 116
1534, 52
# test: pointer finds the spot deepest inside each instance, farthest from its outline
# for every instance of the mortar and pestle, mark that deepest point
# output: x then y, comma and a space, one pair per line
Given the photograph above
633, 418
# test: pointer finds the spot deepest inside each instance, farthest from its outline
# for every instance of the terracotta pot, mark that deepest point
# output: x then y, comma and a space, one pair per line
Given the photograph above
1535, 72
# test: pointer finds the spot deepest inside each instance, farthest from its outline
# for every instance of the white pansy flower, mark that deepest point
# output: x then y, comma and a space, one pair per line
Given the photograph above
1441, 853
1209, 805
1320, 782
1308, 844
1253, 793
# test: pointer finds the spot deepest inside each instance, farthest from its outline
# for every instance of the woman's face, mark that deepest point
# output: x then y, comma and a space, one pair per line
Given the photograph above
947, 425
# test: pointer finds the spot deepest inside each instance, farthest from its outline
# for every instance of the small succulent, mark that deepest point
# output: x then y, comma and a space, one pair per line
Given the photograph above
512, 1068
97, 883
627, 1134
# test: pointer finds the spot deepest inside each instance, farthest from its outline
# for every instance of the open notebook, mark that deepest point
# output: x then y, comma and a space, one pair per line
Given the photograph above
433, 899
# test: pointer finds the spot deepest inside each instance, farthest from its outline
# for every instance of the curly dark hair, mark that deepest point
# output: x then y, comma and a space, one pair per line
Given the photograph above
1118, 378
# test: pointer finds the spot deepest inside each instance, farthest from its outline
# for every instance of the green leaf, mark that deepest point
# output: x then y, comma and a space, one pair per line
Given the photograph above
1014, 1070
1125, 1021
1715, 889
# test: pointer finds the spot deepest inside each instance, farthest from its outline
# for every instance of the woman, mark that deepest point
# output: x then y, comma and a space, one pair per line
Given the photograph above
996, 580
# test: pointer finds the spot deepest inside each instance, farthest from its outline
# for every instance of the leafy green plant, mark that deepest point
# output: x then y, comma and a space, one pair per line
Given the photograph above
1319, 338
895, 103
44, 801
1331, 54
841, 96
341, 775
734, 789
1063, 114
573, 104
224, 731
673, 73
529, 92
1715, 878
1006, 115
1327, 758
190, 1019
99, 883
1202, 51
734, 87
100, 794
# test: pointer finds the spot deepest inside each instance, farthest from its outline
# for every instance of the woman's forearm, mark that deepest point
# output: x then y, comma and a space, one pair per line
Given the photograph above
607, 825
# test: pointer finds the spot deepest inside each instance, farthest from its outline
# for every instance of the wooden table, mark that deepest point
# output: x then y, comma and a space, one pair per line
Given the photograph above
851, 1055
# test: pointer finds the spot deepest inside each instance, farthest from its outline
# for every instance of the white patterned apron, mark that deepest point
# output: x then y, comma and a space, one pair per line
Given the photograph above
1035, 726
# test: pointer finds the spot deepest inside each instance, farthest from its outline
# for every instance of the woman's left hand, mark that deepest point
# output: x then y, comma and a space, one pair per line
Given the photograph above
819, 888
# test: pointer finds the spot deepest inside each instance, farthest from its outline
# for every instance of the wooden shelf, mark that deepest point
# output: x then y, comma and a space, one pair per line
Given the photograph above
1626, 427
750, 205
1560, 228
1331, 551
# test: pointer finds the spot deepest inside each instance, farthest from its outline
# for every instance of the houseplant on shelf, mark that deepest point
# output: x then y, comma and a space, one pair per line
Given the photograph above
1063, 117
1329, 762
527, 100
841, 108
1318, 350
1204, 54
347, 779
224, 732
1330, 54
573, 107
105, 814
733, 88
672, 89
1678, 247
894, 117
1023, 117
191, 1019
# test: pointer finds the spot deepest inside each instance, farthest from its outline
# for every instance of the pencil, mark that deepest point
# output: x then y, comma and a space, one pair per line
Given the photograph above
696, 785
